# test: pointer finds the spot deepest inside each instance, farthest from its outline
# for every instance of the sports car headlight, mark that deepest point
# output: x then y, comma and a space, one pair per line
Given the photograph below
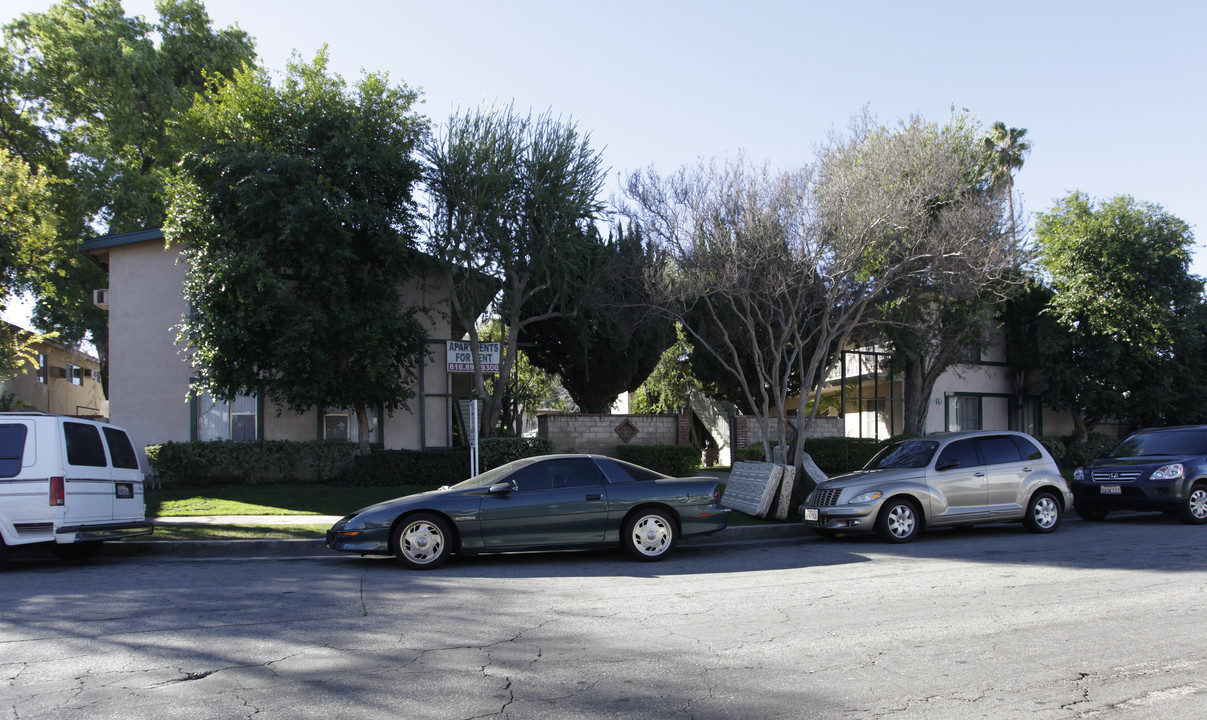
866, 497
1167, 472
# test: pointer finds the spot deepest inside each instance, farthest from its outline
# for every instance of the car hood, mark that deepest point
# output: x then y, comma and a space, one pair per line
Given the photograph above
423, 498
872, 477
1143, 461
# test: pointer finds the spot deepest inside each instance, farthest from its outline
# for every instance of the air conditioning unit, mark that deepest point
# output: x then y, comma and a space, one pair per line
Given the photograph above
100, 298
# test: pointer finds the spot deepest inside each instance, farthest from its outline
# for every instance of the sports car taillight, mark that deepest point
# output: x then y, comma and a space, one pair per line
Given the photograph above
716, 493
58, 492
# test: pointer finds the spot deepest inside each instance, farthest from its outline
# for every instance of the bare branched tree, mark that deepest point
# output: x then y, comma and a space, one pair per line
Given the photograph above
790, 264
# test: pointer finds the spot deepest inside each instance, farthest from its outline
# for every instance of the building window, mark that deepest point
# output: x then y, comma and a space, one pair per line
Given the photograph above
75, 374
341, 425
42, 368
963, 412
222, 420
1028, 417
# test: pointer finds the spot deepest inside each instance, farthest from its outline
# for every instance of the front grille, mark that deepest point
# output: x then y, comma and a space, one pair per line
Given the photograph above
823, 497
1114, 476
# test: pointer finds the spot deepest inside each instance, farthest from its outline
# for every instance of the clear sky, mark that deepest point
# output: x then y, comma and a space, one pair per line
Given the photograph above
1111, 93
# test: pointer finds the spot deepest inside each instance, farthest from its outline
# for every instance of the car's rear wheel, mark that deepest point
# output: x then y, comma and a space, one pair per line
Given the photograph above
1043, 513
1194, 510
422, 541
899, 521
649, 535
1093, 513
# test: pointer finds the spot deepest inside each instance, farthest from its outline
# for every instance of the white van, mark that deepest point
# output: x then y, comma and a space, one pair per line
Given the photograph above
67, 481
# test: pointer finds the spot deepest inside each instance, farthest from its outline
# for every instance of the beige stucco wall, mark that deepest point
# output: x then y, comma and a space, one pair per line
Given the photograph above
58, 395
148, 374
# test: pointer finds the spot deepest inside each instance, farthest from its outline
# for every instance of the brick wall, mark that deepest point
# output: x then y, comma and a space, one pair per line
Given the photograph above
599, 433
746, 429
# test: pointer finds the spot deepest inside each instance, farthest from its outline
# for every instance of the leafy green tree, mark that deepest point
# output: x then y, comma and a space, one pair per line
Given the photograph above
89, 97
296, 217
27, 231
669, 387
612, 342
1119, 271
510, 201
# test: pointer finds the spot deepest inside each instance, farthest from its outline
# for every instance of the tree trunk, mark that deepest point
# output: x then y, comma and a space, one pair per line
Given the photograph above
362, 428
916, 396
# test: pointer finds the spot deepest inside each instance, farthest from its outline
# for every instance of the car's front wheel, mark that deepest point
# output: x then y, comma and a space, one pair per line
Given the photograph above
1194, 510
899, 521
422, 541
1093, 513
1043, 513
649, 535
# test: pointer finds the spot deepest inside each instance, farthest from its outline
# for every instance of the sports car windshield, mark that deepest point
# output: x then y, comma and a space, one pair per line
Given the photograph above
1173, 442
908, 454
490, 477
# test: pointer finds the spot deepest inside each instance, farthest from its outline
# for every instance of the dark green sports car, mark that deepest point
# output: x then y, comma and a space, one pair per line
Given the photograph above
550, 502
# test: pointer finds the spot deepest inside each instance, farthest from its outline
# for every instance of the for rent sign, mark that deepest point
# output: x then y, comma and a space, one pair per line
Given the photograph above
461, 358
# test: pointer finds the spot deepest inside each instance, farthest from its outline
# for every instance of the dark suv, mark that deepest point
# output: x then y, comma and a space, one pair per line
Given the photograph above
1155, 469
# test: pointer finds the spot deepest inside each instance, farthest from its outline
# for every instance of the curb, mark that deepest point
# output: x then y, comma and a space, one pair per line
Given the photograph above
311, 548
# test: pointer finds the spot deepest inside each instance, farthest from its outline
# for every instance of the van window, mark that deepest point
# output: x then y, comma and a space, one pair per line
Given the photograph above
83, 445
120, 449
12, 449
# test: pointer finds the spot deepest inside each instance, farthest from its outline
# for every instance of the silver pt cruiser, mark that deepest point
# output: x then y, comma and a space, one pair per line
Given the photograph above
946, 479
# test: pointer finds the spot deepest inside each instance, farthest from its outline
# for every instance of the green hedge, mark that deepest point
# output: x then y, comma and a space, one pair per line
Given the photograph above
408, 467
323, 461
1096, 445
500, 451
673, 460
222, 462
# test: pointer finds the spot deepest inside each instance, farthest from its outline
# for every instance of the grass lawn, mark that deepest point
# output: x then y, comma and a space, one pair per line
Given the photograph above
270, 499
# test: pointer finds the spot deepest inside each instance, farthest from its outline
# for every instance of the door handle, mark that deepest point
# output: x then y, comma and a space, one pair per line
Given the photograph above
980, 474
1026, 469
594, 496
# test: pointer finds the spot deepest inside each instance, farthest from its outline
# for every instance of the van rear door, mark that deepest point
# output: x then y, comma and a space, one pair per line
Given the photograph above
88, 487
129, 503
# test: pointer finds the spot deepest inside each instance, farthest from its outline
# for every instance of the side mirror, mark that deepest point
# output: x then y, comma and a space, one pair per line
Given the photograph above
948, 464
501, 488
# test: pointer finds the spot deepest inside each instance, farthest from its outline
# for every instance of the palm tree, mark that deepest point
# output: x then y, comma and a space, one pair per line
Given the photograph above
1007, 150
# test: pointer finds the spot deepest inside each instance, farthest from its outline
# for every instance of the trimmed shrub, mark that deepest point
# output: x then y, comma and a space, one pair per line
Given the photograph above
224, 462
408, 467
673, 460
1095, 446
497, 451
753, 453
1057, 447
838, 455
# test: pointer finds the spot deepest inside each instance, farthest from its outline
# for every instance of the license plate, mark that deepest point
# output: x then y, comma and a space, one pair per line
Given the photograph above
125, 490
811, 514
1112, 490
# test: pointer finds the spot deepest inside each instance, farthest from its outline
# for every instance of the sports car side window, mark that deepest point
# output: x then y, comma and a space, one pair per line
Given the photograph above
532, 477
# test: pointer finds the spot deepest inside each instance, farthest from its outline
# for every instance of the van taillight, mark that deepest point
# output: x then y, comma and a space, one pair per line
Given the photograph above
57, 491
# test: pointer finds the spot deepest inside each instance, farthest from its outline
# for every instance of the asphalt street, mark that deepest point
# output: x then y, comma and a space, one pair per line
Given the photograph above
1096, 620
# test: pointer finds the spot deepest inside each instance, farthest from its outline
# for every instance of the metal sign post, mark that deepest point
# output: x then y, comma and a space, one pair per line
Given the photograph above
469, 412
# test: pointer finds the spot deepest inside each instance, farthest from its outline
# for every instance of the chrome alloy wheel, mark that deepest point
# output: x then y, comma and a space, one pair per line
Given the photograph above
901, 520
1045, 512
652, 535
421, 542
1197, 504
